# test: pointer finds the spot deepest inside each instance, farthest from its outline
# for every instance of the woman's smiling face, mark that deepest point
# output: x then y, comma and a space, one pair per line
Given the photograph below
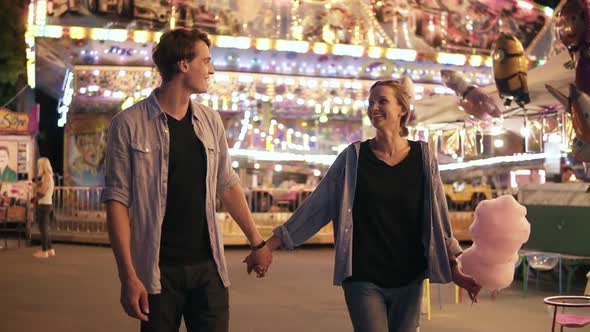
384, 110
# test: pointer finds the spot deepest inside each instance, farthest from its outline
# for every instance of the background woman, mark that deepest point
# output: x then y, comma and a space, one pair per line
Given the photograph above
44, 206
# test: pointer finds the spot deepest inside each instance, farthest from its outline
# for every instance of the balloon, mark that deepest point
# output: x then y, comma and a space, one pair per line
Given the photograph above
483, 126
454, 81
498, 231
384, 11
408, 85
510, 69
572, 24
473, 100
561, 98
550, 125
583, 70
581, 149
580, 110
248, 9
578, 105
481, 104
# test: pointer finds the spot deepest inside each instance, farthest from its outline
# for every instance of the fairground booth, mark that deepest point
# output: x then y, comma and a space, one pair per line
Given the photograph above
291, 86
18, 131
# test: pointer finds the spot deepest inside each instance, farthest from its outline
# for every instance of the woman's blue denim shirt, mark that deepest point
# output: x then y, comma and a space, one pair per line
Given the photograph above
333, 200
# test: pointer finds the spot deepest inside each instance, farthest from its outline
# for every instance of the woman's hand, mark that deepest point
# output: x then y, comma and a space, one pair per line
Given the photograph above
259, 260
466, 282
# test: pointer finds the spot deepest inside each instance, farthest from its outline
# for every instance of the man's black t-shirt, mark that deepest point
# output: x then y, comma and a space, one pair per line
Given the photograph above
185, 235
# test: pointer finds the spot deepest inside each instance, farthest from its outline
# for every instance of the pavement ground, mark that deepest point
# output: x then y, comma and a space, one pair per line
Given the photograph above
78, 290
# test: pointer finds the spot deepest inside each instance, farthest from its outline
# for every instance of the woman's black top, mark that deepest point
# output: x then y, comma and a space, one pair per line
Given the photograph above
387, 217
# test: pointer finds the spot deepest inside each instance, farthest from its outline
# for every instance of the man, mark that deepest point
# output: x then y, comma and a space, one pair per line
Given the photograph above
6, 173
166, 159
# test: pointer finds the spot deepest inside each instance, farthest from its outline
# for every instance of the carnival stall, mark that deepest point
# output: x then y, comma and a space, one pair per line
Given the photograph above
17, 168
554, 124
291, 81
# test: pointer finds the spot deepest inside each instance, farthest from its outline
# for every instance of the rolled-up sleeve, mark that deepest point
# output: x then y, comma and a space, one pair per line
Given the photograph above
117, 163
453, 246
317, 210
226, 176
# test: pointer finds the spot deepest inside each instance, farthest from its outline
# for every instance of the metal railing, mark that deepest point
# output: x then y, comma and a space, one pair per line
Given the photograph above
476, 197
80, 216
275, 200
78, 209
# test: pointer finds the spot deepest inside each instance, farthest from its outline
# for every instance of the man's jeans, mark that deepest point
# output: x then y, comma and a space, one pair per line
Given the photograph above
376, 309
194, 292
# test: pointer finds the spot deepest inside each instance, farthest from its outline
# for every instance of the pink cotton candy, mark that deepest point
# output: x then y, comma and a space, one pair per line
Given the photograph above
498, 231
491, 255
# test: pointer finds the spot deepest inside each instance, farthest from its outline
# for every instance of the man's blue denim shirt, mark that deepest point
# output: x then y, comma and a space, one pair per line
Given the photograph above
136, 175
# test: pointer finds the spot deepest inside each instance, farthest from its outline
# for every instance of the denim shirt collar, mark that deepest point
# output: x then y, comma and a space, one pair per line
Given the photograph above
155, 110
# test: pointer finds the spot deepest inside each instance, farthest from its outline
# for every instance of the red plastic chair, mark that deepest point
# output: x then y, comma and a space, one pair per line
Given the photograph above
568, 320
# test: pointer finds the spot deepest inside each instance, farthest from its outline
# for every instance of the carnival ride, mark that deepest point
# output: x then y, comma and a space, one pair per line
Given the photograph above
291, 77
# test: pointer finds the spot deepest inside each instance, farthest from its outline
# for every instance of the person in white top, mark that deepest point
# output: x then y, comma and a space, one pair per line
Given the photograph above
44, 206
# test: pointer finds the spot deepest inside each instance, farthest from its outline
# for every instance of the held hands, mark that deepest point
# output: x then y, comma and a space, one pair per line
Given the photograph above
259, 260
134, 299
466, 282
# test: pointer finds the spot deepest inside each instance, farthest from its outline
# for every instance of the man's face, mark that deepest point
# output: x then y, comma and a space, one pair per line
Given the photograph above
199, 69
3, 159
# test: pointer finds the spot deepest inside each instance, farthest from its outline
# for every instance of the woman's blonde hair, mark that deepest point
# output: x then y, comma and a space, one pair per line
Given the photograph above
44, 167
403, 94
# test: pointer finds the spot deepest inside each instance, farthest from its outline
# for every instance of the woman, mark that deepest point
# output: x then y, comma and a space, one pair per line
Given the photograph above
44, 206
388, 193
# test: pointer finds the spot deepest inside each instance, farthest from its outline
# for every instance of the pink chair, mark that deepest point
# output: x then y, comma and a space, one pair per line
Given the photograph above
568, 320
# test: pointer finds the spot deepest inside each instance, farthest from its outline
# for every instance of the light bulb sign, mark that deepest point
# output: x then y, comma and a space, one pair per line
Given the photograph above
63, 106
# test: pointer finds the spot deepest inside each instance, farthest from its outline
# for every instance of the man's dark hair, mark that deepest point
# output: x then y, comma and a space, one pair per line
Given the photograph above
3, 148
176, 45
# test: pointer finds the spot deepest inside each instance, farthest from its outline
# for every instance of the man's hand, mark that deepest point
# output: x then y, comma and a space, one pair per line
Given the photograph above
466, 282
134, 299
259, 261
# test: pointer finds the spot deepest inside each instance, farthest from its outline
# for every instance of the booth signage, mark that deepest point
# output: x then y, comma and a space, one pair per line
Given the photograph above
13, 122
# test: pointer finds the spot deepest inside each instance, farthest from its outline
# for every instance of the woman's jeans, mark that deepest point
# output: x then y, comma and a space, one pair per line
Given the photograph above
376, 309
43, 212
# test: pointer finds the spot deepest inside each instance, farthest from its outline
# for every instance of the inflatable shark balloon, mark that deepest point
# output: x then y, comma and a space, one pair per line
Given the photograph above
474, 101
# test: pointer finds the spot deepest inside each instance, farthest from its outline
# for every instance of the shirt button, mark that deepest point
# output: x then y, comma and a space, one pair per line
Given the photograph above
346, 230
349, 210
147, 150
166, 130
